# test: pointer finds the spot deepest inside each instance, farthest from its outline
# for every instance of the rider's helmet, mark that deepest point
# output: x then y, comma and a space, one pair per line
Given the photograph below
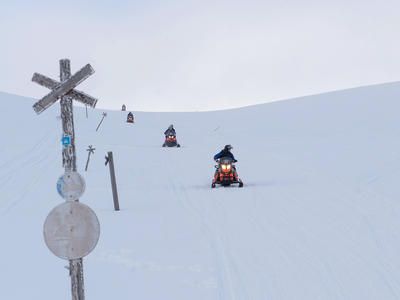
171, 126
228, 148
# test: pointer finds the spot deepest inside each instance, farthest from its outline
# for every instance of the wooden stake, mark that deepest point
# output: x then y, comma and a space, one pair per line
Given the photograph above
104, 115
90, 151
110, 161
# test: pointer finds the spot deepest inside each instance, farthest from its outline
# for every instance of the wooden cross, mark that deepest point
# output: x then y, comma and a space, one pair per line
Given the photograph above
65, 88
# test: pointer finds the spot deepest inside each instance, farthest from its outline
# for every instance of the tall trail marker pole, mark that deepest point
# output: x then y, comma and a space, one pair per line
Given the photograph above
90, 151
101, 121
71, 230
110, 162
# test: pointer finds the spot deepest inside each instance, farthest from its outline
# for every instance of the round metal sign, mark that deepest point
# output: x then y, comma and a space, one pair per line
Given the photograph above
71, 186
71, 230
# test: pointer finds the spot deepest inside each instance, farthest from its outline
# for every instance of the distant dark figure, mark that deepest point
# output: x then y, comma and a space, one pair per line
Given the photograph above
170, 137
170, 131
123, 107
129, 118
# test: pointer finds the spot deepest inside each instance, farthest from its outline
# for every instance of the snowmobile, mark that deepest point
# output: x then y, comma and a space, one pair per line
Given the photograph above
225, 173
170, 141
130, 119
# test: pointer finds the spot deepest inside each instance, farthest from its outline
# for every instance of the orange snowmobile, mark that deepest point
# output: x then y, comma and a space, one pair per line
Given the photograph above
225, 173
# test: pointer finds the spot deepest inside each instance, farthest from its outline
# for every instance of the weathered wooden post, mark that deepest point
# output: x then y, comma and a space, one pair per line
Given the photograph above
66, 247
110, 161
90, 151
101, 121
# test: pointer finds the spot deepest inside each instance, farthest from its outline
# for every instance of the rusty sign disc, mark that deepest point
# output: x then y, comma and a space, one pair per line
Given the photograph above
71, 230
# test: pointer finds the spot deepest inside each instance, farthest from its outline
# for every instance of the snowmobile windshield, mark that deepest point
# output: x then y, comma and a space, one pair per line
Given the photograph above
226, 160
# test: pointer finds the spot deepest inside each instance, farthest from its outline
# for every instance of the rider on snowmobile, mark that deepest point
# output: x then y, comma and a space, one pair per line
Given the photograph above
170, 131
226, 152
225, 172
129, 118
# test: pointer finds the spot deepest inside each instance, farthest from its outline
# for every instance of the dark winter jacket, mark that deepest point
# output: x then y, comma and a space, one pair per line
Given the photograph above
224, 153
170, 132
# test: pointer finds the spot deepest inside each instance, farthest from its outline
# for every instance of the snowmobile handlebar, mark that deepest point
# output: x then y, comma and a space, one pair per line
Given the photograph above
218, 160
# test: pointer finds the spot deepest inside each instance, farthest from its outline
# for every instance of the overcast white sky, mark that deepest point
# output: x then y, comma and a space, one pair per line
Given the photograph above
200, 55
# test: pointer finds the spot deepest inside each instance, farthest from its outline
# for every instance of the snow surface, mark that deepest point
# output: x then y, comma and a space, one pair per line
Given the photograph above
318, 218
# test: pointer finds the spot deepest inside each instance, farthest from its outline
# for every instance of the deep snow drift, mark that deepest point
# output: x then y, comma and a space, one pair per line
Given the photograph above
318, 218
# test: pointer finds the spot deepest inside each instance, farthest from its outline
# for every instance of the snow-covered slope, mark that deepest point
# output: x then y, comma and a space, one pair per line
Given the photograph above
318, 218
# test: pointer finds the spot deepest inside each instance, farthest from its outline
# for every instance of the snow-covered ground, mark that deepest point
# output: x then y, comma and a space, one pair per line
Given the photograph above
318, 218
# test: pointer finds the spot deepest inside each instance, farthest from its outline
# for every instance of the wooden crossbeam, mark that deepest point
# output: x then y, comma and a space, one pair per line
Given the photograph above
63, 88
75, 94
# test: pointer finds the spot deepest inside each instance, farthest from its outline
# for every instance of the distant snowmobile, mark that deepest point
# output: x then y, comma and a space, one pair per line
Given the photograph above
170, 141
170, 137
225, 173
130, 118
